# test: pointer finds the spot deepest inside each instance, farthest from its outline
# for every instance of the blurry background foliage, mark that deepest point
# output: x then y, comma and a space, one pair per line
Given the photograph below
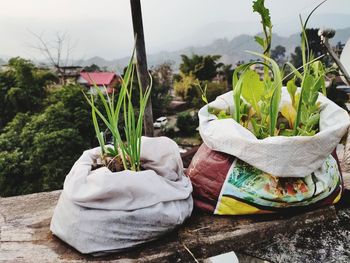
43, 129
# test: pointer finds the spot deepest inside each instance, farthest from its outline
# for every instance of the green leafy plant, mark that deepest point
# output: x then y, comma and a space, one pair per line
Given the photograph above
265, 43
123, 154
187, 123
257, 102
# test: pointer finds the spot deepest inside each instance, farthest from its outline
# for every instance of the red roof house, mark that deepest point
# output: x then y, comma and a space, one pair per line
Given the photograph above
100, 79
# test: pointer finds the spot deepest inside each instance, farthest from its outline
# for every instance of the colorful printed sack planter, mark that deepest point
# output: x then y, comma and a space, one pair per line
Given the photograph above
225, 185
235, 173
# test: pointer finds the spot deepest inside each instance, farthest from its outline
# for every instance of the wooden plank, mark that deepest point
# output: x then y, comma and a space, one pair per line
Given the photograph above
142, 62
25, 235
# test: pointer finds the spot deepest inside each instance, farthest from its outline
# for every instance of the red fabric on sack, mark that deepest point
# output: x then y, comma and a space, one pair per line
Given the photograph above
207, 172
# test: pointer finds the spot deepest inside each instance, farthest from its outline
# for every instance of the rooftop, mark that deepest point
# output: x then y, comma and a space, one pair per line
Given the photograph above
98, 78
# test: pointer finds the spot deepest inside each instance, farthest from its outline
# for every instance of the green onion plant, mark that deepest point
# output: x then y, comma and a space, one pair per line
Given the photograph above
124, 152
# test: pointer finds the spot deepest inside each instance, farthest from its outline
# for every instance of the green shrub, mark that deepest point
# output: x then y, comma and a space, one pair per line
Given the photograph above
185, 86
214, 89
187, 123
170, 132
37, 151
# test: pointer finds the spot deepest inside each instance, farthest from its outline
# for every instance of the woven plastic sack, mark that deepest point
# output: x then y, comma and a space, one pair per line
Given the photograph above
101, 212
235, 173
296, 156
225, 185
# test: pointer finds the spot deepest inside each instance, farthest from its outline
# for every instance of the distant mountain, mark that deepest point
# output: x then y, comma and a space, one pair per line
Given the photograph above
341, 35
208, 33
231, 51
184, 34
328, 20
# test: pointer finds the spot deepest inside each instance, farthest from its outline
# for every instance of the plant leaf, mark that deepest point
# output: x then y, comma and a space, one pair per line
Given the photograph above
277, 90
313, 120
286, 132
259, 40
294, 70
307, 86
237, 90
252, 89
111, 152
288, 111
259, 7
255, 126
273, 112
292, 88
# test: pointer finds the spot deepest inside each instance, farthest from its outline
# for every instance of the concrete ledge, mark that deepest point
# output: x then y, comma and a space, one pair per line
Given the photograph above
25, 235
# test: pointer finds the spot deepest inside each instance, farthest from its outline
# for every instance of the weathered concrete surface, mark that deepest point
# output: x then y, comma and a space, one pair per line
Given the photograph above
25, 235
322, 242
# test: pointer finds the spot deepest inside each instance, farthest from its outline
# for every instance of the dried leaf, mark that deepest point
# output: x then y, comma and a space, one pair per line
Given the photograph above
288, 112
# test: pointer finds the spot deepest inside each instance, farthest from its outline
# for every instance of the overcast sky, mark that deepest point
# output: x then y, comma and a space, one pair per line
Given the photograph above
103, 27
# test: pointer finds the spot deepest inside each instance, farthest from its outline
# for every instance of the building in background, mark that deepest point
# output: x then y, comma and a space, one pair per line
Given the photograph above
102, 80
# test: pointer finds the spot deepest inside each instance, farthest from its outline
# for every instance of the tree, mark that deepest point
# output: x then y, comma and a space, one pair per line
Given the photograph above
79, 110
162, 82
22, 88
315, 47
202, 67
215, 89
187, 122
314, 41
296, 57
226, 71
38, 150
185, 87
92, 68
56, 52
188, 89
278, 54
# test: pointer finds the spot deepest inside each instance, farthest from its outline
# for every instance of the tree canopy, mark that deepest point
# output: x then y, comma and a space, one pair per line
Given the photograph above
22, 88
37, 150
315, 47
278, 54
92, 68
202, 67
162, 83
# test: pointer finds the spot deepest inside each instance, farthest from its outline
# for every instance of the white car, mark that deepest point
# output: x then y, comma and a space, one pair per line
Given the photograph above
160, 122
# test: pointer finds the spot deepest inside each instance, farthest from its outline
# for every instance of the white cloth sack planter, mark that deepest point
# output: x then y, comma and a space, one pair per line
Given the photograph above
101, 212
281, 156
